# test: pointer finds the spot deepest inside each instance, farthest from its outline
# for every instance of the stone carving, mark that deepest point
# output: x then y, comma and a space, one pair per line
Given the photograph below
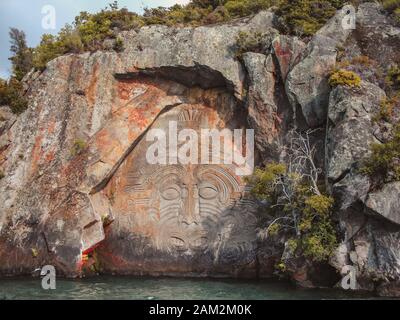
195, 210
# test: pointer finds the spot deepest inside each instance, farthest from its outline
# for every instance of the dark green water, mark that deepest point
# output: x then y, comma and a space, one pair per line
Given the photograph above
164, 288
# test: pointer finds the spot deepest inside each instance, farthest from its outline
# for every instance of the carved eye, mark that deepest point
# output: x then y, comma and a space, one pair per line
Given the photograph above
178, 243
208, 192
170, 193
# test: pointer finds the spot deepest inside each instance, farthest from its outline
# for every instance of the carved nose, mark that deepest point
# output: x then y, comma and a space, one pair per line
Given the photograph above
190, 208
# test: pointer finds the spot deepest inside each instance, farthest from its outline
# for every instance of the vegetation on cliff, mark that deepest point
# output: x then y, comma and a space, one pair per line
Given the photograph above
89, 31
384, 163
393, 8
11, 91
344, 77
295, 206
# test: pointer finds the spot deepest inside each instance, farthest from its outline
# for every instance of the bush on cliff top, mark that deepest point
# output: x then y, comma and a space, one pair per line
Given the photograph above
88, 31
304, 18
249, 42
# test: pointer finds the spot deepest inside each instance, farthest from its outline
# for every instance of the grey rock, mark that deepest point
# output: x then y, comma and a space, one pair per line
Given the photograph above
307, 84
261, 103
350, 130
379, 37
288, 51
351, 188
386, 202
207, 48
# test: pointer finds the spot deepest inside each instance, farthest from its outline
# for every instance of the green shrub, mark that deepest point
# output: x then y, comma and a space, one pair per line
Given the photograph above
241, 8
48, 49
391, 5
393, 78
305, 17
34, 252
396, 15
393, 8
11, 94
119, 44
316, 237
190, 14
263, 179
383, 165
319, 240
22, 55
249, 42
344, 77
386, 109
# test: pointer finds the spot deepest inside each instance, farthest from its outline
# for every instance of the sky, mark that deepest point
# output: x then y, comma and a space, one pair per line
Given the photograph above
27, 15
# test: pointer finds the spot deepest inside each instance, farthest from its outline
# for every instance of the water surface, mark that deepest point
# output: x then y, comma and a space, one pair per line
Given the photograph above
164, 288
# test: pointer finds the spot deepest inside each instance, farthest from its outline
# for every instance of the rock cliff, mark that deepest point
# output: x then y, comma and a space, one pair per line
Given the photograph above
76, 181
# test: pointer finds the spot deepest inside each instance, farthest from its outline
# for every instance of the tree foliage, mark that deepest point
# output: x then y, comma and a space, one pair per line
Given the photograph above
21, 59
294, 202
11, 94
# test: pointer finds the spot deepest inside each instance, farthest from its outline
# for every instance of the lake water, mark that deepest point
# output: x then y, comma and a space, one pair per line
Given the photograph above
163, 288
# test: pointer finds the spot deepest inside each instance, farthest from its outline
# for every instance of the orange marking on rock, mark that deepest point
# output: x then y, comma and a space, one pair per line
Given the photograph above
51, 127
50, 156
284, 53
36, 152
92, 88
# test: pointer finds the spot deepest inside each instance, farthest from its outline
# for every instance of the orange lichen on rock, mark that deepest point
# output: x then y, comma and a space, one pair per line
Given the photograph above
92, 88
36, 153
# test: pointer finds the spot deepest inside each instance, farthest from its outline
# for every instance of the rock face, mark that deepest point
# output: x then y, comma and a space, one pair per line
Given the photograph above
76, 178
262, 103
368, 217
307, 83
85, 129
385, 202
350, 130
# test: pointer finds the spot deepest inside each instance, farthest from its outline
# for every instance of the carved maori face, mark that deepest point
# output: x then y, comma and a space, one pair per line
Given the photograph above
182, 209
189, 202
